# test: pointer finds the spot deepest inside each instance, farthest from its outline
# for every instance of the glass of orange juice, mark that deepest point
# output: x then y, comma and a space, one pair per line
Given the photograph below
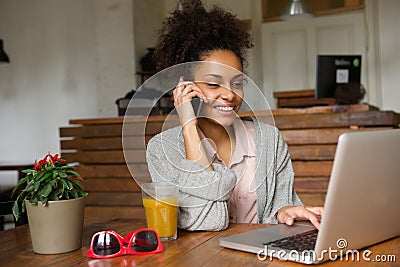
160, 201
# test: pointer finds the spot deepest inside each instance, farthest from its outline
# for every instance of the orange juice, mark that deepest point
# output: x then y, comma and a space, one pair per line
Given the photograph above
162, 216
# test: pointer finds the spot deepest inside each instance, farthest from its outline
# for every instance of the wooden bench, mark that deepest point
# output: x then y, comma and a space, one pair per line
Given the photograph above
300, 98
311, 133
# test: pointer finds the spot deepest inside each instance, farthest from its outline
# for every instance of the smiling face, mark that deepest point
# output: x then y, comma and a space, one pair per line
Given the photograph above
221, 80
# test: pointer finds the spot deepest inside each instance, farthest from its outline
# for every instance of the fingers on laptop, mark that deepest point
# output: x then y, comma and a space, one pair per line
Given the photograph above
316, 210
289, 214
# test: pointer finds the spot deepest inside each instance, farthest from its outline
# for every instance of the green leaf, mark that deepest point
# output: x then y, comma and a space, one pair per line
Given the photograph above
62, 187
74, 194
49, 167
30, 187
34, 200
40, 174
73, 173
23, 207
58, 191
70, 185
28, 171
20, 183
36, 185
53, 196
15, 210
44, 201
77, 184
64, 183
24, 180
53, 183
46, 190
67, 167
44, 177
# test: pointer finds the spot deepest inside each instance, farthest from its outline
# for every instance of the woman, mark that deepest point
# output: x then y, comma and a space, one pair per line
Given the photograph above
227, 169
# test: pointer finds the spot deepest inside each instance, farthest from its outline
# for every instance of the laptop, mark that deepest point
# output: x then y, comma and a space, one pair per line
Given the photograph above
361, 206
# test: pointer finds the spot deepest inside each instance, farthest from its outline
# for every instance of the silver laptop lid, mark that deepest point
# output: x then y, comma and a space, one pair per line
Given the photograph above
361, 206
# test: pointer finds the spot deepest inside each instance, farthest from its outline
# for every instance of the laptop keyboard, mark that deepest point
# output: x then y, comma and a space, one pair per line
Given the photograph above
299, 242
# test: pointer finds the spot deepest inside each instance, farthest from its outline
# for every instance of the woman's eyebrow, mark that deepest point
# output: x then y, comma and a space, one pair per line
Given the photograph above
220, 76
240, 75
214, 75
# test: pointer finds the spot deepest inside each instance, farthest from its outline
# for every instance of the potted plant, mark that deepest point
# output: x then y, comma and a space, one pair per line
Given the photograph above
54, 199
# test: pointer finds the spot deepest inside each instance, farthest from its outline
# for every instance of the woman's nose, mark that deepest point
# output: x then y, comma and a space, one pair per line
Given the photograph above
226, 93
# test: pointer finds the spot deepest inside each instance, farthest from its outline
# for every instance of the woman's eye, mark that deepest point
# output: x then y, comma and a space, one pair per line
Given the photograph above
237, 85
213, 85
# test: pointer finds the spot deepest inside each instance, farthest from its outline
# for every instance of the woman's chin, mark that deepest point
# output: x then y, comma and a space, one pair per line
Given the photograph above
221, 121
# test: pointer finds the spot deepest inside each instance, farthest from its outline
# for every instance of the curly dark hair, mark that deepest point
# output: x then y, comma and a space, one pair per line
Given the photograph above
191, 33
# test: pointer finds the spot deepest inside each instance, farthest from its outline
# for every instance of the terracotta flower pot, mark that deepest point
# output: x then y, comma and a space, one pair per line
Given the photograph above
56, 227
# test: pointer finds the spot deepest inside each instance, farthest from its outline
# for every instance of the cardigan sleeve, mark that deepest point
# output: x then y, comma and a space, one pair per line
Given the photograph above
285, 194
279, 182
203, 194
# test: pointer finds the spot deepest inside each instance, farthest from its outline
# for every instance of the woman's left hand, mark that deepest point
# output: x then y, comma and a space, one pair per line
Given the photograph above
289, 214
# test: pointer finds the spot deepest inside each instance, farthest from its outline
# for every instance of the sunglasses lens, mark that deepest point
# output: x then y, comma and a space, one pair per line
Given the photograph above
105, 244
145, 241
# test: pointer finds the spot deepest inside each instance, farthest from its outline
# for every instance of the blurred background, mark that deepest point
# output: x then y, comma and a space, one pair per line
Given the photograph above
73, 58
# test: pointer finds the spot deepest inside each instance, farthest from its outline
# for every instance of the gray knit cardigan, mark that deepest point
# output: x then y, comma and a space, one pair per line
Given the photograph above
204, 194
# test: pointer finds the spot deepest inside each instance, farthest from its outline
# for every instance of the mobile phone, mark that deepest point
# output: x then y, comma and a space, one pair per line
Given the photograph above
196, 103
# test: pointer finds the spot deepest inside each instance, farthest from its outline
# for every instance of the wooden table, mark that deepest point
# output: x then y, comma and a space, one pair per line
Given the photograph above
190, 249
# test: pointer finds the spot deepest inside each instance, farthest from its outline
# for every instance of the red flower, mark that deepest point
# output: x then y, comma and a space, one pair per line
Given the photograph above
42, 162
77, 179
51, 159
37, 166
56, 158
47, 159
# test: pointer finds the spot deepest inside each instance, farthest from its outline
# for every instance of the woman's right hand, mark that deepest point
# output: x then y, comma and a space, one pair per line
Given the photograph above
183, 94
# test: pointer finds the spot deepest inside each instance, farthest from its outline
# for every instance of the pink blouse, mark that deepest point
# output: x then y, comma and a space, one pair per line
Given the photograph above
242, 204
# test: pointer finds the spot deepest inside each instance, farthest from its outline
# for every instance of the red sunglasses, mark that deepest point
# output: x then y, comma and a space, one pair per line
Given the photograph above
108, 244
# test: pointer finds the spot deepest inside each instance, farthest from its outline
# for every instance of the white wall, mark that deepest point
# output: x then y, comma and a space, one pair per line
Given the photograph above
115, 52
51, 77
69, 59
389, 46
148, 16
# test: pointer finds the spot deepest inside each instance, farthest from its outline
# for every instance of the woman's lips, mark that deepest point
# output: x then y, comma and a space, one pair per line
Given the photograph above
225, 110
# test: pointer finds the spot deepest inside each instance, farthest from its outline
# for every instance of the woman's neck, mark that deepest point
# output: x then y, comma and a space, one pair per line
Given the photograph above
222, 137
215, 131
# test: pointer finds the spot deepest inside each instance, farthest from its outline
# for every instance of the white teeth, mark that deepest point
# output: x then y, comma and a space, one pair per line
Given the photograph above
224, 108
